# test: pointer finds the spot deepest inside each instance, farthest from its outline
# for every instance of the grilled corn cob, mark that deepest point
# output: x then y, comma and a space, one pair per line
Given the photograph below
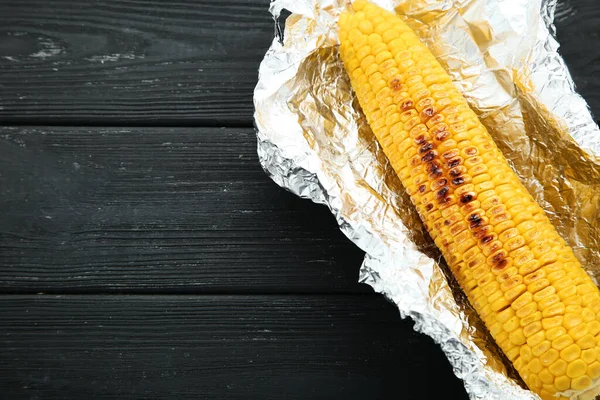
538, 303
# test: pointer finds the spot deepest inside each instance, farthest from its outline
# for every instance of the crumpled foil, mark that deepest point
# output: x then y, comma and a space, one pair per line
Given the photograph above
314, 141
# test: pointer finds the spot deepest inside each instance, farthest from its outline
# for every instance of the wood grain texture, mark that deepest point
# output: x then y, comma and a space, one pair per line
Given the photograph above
114, 62
215, 347
145, 62
578, 32
157, 210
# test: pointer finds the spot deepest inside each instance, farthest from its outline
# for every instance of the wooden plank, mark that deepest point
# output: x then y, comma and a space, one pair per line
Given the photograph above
187, 62
131, 61
221, 347
577, 27
152, 210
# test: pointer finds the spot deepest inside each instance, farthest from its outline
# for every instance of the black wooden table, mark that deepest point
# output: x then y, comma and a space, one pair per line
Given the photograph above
143, 251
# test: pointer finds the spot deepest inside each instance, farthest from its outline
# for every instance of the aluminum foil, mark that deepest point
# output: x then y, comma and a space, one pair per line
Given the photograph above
313, 141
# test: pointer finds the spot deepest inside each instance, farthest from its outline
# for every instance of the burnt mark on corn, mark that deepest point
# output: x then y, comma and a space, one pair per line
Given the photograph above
434, 170
444, 200
466, 198
441, 136
495, 246
450, 154
445, 170
439, 183
427, 113
440, 131
475, 221
439, 128
420, 140
455, 162
498, 258
481, 232
534, 276
429, 156
458, 181
425, 147
487, 239
406, 105
396, 84
443, 192
470, 151
455, 172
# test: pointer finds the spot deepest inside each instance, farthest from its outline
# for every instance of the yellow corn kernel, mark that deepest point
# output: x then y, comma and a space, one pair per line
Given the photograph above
559, 367
586, 342
576, 368
536, 338
541, 348
549, 357
535, 366
594, 370
532, 328
522, 301
536, 316
517, 337
554, 311
593, 327
555, 333
570, 353
511, 354
511, 324
552, 322
545, 376
562, 383
588, 356
526, 310
581, 382
579, 331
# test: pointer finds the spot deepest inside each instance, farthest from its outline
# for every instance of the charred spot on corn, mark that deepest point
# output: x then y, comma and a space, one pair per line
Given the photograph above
466, 198
487, 239
475, 220
426, 147
429, 156
458, 181
421, 139
453, 163
406, 105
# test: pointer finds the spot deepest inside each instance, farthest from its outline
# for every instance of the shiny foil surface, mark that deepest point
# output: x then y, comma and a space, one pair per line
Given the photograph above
314, 141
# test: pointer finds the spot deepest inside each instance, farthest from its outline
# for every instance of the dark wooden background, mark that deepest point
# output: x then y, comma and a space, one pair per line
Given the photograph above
143, 251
